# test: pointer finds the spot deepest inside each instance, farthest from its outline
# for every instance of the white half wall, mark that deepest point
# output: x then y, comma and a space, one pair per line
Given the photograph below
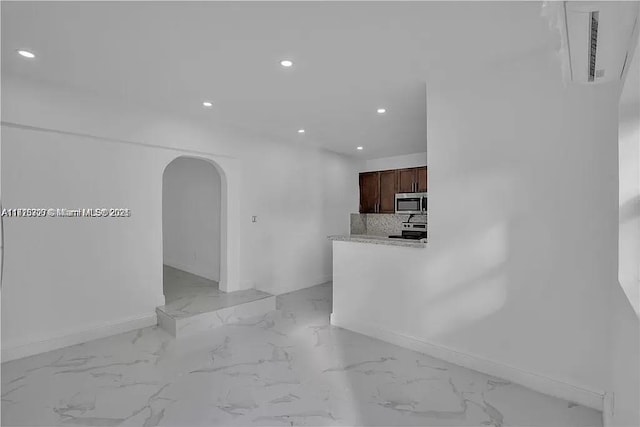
395, 162
191, 206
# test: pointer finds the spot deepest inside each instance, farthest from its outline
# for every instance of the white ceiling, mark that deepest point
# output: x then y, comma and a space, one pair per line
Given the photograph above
349, 59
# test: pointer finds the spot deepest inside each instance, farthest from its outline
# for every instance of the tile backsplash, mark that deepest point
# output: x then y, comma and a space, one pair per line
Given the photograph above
381, 224
358, 224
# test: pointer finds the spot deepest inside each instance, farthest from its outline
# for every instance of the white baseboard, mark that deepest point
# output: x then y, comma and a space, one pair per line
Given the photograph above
540, 383
77, 337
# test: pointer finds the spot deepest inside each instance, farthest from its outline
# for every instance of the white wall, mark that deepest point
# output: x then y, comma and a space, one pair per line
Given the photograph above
395, 162
73, 149
523, 225
625, 300
629, 163
624, 361
64, 276
525, 173
523, 201
300, 197
191, 196
1, 220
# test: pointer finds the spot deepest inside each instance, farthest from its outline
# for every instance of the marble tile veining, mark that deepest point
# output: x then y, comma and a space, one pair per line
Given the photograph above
180, 326
194, 304
288, 367
187, 294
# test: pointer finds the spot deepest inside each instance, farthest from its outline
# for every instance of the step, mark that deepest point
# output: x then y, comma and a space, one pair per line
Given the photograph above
193, 314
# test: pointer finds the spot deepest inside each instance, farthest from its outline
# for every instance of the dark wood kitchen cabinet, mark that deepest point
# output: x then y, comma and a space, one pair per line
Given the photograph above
388, 190
378, 189
422, 179
406, 180
412, 180
369, 192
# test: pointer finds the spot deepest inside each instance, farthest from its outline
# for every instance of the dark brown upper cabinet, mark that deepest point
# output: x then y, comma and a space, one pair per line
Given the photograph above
422, 179
369, 192
388, 190
406, 180
412, 180
378, 189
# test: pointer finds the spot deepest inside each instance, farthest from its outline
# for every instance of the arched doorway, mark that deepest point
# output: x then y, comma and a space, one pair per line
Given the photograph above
192, 234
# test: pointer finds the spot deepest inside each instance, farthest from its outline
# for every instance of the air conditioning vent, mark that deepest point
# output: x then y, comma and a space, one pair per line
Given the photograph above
594, 46
599, 37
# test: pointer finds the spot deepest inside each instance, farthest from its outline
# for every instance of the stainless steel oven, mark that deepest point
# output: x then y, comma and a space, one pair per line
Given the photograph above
411, 203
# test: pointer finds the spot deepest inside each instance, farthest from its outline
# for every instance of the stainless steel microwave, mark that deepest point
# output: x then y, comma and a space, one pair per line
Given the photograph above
411, 203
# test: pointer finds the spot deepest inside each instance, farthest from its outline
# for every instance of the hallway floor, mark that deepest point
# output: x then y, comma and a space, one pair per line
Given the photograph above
289, 367
187, 294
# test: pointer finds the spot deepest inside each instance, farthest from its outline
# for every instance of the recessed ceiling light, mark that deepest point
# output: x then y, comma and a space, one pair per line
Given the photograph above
382, 110
207, 104
26, 54
300, 130
359, 148
286, 63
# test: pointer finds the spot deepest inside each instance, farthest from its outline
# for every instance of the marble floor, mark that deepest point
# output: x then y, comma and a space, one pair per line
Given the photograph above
287, 368
187, 294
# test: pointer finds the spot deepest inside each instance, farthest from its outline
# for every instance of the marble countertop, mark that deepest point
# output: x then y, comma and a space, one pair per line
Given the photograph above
380, 240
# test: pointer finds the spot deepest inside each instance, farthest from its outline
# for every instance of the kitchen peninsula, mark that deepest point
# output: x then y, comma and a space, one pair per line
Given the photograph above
372, 277
384, 256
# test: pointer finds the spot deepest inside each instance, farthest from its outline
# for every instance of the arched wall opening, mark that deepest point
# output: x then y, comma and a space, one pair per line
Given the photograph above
193, 224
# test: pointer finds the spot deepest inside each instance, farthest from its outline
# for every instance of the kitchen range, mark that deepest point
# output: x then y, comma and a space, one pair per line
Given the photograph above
412, 204
412, 230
